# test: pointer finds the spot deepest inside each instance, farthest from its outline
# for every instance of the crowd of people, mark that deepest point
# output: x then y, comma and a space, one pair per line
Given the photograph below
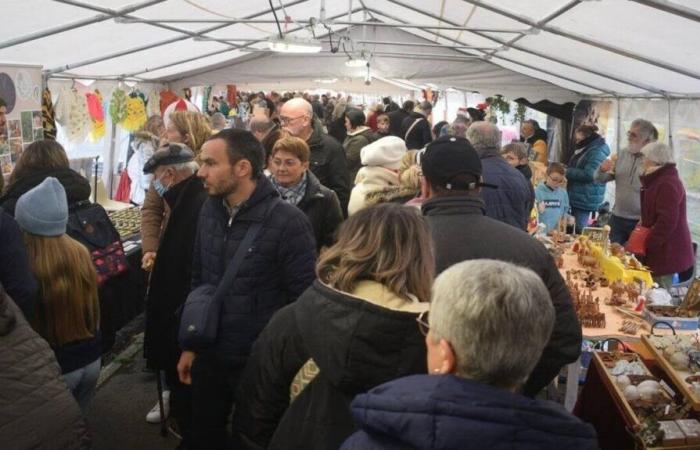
322, 277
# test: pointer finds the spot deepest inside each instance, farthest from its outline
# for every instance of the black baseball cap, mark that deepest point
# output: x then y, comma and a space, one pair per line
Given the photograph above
451, 162
172, 153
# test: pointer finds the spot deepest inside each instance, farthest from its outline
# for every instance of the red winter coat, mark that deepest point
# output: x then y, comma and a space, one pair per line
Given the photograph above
669, 248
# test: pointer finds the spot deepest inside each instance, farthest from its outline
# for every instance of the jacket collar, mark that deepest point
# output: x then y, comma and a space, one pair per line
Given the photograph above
488, 152
248, 211
316, 138
359, 130
665, 171
313, 188
378, 294
454, 206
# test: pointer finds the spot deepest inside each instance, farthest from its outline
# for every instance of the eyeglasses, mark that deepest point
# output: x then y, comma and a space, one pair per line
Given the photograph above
423, 325
289, 119
632, 134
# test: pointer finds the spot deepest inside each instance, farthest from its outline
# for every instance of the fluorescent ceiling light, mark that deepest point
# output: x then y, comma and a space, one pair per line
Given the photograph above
326, 80
290, 44
359, 62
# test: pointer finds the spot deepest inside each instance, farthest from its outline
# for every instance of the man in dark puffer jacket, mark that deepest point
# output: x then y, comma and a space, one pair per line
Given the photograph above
277, 269
455, 214
37, 411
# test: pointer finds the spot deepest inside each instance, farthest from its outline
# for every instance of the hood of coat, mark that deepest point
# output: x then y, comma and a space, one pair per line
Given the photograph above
445, 412
8, 319
358, 344
377, 176
390, 194
76, 186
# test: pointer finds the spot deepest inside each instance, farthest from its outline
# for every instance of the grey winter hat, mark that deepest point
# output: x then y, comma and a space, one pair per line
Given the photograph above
43, 210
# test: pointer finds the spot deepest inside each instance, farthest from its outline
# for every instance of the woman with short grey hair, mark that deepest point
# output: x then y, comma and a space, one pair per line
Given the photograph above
489, 322
668, 247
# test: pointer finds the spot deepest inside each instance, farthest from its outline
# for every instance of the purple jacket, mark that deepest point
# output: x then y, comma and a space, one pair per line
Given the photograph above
669, 248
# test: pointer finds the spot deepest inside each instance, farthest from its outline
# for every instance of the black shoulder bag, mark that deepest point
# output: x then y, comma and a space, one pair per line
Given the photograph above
199, 323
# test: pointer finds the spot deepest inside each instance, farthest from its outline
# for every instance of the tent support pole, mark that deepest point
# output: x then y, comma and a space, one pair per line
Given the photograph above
78, 24
542, 22
671, 8
531, 52
112, 147
123, 17
670, 124
585, 40
157, 44
618, 130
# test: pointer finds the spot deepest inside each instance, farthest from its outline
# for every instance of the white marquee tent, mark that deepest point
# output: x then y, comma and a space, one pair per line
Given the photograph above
555, 49
640, 54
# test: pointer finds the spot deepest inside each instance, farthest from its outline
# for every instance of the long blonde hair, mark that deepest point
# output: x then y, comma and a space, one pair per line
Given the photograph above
192, 124
388, 243
68, 309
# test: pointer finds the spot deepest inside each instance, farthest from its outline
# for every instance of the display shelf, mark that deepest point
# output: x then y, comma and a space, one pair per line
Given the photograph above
677, 376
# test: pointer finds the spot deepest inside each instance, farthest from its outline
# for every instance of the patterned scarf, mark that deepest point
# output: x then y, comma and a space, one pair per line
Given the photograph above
294, 194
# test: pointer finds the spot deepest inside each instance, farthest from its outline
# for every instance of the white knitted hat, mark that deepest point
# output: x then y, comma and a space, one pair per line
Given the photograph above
385, 152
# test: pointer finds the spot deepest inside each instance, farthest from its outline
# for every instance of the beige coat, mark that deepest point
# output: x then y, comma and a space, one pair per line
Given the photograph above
154, 218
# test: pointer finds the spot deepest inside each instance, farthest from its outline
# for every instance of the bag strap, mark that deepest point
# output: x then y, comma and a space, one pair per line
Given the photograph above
411, 127
243, 247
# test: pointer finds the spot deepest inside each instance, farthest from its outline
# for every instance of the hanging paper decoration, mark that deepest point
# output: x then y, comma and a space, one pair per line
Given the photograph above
166, 98
153, 104
135, 114
97, 115
179, 105
48, 115
117, 107
72, 113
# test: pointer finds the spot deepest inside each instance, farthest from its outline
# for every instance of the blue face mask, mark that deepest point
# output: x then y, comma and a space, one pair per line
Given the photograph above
158, 186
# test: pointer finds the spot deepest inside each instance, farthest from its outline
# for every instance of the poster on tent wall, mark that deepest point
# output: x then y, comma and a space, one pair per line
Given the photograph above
20, 112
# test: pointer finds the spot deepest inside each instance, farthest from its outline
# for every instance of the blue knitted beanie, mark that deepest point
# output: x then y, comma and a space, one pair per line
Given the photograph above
43, 210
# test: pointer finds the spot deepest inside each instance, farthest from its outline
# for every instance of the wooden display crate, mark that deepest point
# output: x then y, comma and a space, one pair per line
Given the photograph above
678, 377
630, 417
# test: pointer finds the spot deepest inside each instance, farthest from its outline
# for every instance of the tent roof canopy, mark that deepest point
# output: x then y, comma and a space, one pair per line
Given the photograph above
553, 49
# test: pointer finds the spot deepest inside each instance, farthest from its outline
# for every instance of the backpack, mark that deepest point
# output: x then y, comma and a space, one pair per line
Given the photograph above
89, 224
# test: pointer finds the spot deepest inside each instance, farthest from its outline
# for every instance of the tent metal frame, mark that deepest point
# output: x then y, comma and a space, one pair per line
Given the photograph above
95, 60
250, 42
585, 40
78, 24
349, 23
535, 53
123, 15
539, 69
117, 18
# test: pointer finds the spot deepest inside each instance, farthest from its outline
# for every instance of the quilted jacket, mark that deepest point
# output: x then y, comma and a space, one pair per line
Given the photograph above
273, 274
37, 411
